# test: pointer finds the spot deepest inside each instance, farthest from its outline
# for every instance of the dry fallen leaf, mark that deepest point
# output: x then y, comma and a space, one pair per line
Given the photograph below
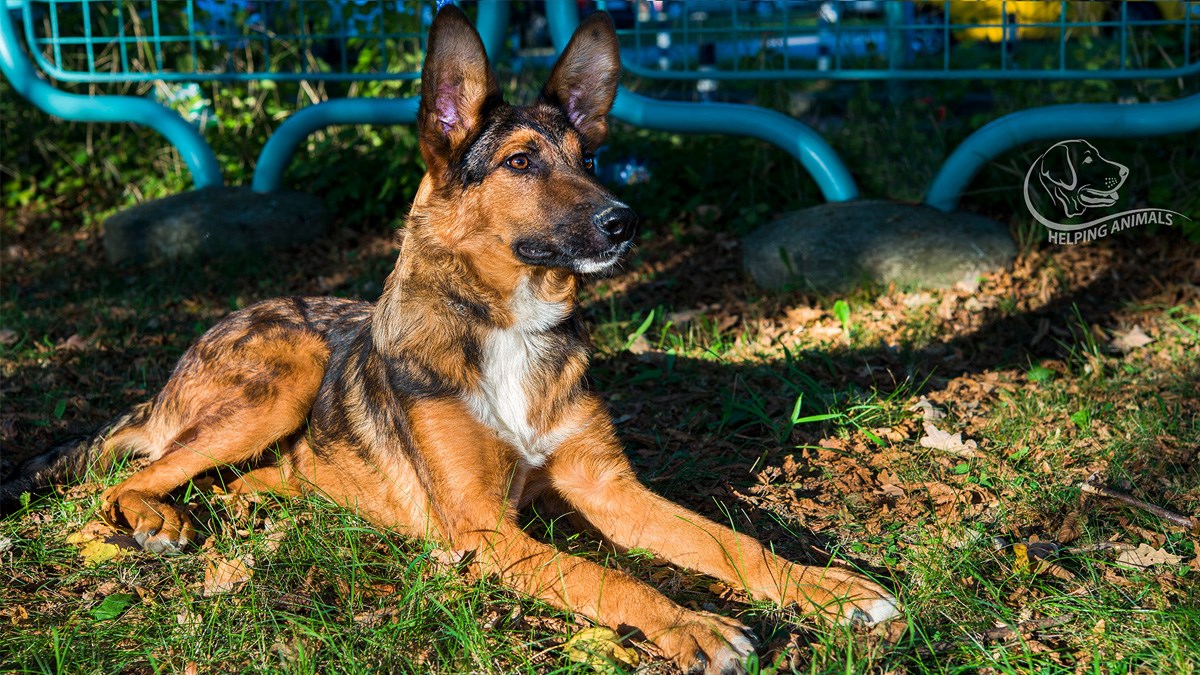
274, 533
95, 552
93, 543
19, 614
952, 443
451, 561
683, 317
917, 299
75, 343
376, 617
927, 410
1146, 555
189, 622
1070, 529
640, 345
1131, 339
969, 283
226, 576
601, 649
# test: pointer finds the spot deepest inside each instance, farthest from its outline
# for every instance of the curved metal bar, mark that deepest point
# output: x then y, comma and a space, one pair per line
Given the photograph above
196, 154
1057, 122
277, 153
793, 136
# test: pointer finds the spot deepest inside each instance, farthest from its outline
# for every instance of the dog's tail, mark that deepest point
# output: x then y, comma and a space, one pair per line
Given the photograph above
72, 460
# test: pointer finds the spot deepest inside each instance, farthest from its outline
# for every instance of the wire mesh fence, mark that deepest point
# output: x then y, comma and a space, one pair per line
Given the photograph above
199, 40
926, 39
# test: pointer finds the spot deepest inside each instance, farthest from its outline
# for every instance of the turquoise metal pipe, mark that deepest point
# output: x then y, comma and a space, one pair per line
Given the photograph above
492, 23
795, 137
19, 72
1057, 122
278, 151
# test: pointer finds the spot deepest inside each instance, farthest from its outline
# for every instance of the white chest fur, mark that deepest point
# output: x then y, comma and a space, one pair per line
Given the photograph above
512, 358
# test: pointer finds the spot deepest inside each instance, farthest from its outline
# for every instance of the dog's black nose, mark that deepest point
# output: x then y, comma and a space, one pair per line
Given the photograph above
616, 222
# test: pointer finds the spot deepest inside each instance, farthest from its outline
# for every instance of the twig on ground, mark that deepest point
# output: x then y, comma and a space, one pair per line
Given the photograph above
1171, 516
994, 634
1102, 546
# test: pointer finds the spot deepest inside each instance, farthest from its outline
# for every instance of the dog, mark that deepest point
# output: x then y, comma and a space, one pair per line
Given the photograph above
1077, 178
459, 396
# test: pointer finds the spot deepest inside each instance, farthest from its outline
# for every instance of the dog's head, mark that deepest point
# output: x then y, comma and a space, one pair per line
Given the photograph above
518, 182
1077, 178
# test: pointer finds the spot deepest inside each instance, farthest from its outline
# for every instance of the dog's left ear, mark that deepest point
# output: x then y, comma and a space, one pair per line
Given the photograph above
584, 80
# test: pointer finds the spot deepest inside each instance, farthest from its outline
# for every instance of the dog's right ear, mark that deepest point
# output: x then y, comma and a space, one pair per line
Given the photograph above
1057, 167
456, 87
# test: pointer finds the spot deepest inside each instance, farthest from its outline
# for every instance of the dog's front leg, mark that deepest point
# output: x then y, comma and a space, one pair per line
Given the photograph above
698, 642
471, 475
590, 471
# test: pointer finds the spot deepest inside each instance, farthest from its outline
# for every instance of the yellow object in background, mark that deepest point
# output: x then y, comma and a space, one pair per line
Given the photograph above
1015, 16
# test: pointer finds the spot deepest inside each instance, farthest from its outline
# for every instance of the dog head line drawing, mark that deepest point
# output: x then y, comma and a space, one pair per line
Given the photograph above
1077, 178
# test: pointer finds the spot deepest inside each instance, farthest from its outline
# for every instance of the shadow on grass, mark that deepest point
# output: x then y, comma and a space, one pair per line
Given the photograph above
675, 415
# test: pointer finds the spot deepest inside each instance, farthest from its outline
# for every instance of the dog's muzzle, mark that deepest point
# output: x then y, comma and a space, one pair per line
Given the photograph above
592, 242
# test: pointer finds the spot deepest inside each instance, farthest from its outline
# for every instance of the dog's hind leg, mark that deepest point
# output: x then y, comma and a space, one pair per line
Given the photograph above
221, 408
74, 460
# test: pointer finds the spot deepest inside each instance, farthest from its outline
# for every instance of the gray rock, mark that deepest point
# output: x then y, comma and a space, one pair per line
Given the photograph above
835, 247
213, 222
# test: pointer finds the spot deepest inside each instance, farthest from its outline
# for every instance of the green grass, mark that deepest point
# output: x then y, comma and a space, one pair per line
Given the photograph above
339, 595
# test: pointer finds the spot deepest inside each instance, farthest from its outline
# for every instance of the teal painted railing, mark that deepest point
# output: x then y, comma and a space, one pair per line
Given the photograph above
700, 41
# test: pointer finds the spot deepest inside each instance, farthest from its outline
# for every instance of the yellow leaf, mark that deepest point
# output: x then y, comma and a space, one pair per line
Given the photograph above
1020, 557
19, 614
600, 648
95, 552
92, 544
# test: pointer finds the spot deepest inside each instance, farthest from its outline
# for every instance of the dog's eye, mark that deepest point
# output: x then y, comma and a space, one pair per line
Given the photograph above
589, 162
1087, 160
520, 162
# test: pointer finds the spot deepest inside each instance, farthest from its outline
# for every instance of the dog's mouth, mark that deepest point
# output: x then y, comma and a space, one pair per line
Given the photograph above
546, 254
532, 252
1091, 197
603, 262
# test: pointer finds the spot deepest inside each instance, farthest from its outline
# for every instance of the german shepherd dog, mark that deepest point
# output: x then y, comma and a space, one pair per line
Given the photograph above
459, 397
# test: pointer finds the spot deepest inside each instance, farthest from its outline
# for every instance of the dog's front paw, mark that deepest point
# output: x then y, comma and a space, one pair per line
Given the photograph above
842, 597
170, 538
158, 527
707, 644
